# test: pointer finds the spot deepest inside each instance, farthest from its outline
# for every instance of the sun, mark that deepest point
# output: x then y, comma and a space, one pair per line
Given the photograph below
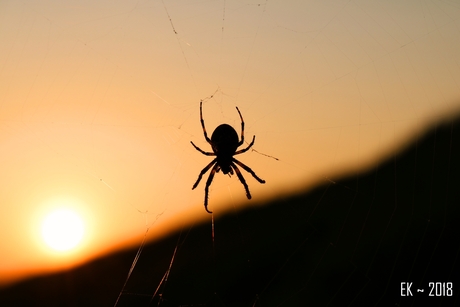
62, 229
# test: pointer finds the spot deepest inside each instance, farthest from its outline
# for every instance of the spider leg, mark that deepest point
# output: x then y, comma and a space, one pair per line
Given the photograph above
202, 123
202, 151
242, 128
208, 183
247, 148
241, 178
203, 171
248, 169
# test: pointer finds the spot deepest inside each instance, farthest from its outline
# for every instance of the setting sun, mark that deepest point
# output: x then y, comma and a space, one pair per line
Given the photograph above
62, 229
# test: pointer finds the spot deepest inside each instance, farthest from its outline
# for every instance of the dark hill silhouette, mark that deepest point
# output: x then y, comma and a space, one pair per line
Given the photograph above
349, 243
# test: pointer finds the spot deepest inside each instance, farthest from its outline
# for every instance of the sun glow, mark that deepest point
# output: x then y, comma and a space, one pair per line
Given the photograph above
62, 229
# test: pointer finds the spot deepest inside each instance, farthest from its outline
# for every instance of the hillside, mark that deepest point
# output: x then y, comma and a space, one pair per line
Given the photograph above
349, 243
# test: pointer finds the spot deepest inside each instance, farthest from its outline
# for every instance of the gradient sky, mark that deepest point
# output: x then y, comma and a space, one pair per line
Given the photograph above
99, 101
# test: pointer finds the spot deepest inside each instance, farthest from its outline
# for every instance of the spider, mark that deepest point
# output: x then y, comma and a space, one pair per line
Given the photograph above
224, 143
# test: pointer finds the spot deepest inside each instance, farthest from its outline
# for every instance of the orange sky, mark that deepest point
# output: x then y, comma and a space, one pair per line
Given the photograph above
99, 102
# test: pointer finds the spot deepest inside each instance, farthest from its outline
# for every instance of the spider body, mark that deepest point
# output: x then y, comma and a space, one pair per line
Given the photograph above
224, 143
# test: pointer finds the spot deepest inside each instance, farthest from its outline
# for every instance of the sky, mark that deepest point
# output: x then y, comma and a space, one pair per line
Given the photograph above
99, 101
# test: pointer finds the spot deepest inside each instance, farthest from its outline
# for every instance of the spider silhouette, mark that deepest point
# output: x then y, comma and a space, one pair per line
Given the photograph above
224, 143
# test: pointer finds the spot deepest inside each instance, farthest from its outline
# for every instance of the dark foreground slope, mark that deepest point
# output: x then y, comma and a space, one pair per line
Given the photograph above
351, 243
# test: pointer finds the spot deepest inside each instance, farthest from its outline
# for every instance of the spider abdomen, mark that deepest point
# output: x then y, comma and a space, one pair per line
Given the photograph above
224, 140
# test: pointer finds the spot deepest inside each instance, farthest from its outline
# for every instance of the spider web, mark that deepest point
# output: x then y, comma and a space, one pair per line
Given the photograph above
330, 90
